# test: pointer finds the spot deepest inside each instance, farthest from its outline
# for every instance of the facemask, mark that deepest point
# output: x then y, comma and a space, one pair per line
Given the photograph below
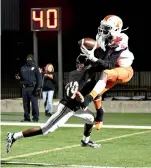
29, 62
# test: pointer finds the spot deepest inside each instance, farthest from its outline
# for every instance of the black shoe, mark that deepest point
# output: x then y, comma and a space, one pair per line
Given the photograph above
90, 144
26, 120
46, 111
48, 114
35, 120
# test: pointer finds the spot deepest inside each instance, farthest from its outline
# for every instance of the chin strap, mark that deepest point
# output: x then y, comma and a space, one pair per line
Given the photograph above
125, 29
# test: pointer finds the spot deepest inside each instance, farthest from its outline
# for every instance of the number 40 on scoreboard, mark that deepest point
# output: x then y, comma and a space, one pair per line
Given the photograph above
45, 19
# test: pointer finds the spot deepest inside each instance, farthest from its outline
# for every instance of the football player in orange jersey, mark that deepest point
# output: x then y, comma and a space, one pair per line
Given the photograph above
116, 62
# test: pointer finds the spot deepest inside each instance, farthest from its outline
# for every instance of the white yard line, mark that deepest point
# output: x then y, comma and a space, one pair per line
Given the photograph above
73, 146
61, 165
75, 125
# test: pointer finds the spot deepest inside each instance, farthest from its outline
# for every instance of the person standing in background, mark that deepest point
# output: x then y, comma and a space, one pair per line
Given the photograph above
30, 81
48, 88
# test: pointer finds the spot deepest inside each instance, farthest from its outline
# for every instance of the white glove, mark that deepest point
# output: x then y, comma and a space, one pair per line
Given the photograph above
79, 97
89, 53
71, 89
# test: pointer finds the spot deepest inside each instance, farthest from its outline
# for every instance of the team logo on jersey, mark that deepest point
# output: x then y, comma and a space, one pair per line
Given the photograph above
117, 40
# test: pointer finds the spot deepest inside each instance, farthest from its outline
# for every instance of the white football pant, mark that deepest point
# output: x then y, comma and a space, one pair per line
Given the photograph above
62, 116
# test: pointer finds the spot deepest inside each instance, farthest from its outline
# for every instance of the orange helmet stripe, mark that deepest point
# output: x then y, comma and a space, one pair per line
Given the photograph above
107, 17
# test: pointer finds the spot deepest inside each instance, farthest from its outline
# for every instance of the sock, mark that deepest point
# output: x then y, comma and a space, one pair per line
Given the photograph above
99, 115
87, 132
18, 135
86, 139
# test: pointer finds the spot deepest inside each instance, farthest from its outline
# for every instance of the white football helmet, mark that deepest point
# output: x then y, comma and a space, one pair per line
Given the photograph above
111, 25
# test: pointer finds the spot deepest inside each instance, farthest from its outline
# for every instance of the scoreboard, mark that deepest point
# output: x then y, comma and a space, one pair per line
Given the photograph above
45, 19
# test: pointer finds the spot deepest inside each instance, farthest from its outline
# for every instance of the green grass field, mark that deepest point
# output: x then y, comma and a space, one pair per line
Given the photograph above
119, 147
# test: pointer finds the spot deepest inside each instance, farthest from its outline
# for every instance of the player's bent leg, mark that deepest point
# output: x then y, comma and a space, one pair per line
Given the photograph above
117, 75
98, 104
55, 121
89, 118
99, 87
114, 75
107, 75
124, 74
86, 142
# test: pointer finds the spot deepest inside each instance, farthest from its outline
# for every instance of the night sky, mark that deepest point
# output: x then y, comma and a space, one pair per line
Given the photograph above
79, 19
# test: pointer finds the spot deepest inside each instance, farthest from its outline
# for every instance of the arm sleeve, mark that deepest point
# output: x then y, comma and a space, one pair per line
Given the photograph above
110, 62
54, 79
20, 74
38, 78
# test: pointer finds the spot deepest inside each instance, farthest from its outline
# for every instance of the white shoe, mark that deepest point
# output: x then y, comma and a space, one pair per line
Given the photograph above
9, 141
90, 144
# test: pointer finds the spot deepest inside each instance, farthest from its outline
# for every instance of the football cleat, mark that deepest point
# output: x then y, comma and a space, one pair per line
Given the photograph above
98, 125
90, 144
9, 141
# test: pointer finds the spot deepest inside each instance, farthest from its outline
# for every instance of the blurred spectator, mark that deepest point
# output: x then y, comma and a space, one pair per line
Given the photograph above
48, 88
30, 80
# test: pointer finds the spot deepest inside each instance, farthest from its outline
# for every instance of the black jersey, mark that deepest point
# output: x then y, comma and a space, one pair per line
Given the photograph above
87, 80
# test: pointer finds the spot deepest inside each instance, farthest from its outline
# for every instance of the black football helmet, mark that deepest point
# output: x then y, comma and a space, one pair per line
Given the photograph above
82, 62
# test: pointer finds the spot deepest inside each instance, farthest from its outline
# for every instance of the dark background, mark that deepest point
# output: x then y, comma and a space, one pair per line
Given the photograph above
80, 18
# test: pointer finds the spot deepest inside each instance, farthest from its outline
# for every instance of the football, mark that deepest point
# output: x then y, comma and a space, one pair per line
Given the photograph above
89, 43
